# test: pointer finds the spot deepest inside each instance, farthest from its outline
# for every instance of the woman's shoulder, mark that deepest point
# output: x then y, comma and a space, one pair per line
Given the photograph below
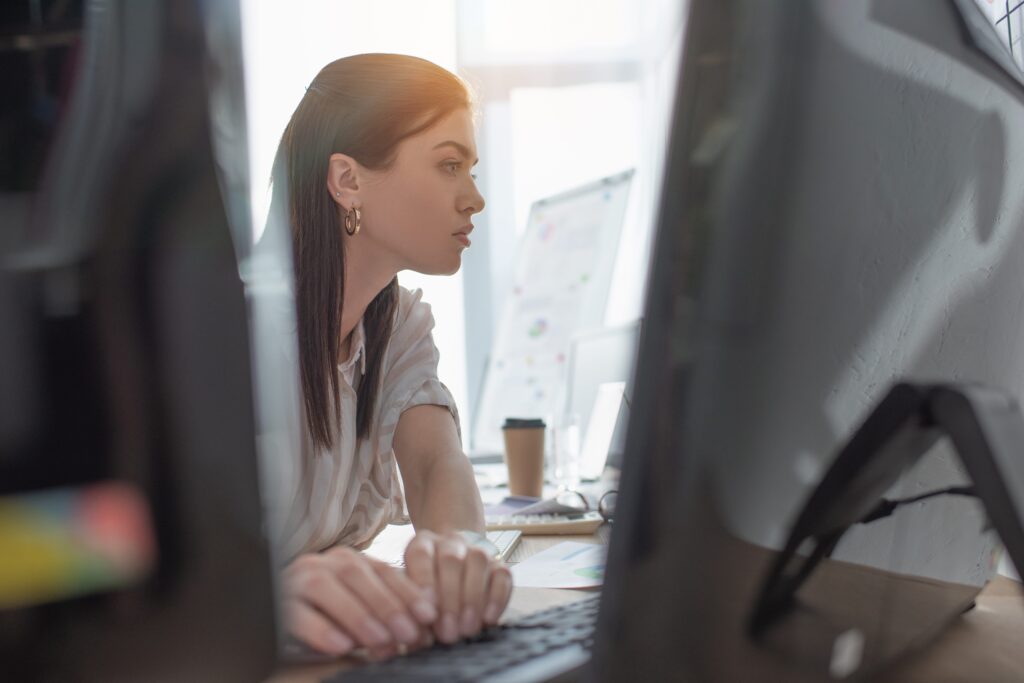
413, 316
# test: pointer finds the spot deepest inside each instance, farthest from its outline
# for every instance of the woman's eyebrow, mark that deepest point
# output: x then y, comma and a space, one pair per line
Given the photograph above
462, 149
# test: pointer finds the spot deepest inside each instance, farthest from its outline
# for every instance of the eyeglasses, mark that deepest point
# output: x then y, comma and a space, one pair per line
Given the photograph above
578, 501
606, 504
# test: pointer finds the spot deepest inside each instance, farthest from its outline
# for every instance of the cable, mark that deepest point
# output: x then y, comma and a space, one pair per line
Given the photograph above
886, 507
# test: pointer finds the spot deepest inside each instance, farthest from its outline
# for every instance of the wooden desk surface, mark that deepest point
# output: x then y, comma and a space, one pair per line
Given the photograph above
985, 645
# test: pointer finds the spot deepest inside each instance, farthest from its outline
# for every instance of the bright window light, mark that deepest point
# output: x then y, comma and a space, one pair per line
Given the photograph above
558, 143
546, 30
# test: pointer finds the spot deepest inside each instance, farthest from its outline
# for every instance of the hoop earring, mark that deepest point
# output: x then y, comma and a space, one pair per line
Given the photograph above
352, 225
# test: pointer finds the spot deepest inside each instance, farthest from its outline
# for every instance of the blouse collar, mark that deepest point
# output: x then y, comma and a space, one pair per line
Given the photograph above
357, 350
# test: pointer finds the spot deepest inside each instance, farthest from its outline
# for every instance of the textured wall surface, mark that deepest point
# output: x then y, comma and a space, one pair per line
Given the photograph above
891, 247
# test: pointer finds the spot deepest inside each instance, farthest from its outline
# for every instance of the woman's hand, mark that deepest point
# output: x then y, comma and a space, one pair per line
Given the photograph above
471, 588
340, 599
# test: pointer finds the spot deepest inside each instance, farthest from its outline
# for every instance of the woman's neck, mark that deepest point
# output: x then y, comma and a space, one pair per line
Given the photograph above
366, 274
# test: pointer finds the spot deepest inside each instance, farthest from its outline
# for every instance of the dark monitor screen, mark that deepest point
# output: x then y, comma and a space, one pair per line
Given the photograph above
124, 340
839, 211
36, 82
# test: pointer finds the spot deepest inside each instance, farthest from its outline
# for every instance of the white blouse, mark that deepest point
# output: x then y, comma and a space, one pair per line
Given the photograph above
346, 495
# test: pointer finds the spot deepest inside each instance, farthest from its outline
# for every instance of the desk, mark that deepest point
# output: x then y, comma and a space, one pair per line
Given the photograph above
986, 644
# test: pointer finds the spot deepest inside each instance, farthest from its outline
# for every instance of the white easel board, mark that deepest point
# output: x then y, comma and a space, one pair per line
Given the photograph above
560, 286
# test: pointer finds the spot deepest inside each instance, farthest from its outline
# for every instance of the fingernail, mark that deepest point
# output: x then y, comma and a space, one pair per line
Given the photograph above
338, 642
492, 613
449, 628
430, 595
403, 628
469, 622
424, 611
378, 634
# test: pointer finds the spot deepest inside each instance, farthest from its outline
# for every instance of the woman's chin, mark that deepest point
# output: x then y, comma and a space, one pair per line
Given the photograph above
451, 263
447, 267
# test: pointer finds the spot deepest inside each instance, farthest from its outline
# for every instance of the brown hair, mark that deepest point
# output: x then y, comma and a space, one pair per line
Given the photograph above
362, 106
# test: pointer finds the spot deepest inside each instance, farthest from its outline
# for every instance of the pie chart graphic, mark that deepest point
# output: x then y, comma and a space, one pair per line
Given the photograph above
595, 572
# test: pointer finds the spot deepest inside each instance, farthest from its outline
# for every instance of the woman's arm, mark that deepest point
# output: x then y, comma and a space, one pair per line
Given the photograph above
440, 489
472, 589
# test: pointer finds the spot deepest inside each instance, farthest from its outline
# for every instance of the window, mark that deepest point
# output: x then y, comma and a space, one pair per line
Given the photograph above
1008, 18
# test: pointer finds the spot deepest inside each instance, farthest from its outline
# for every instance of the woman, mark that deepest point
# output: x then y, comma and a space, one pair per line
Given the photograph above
375, 171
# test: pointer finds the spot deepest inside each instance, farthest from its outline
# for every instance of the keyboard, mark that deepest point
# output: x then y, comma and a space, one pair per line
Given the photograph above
534, 648
581, 523
505, 542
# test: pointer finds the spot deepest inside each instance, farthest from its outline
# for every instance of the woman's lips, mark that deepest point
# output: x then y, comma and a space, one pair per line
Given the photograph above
463, 234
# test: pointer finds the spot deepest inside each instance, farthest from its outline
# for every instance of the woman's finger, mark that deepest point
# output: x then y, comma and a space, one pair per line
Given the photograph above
450, 554
474, 591
354, 571
408, 592
419, 564
315, 630
498, 593
325, 592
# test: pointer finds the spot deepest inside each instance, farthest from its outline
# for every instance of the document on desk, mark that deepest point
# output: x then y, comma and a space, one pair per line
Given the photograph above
567, 565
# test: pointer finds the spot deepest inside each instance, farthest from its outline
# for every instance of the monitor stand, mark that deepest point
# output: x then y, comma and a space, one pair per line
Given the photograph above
986, 428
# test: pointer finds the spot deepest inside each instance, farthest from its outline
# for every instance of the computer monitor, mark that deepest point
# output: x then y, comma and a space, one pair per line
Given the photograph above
124, 342
839, 211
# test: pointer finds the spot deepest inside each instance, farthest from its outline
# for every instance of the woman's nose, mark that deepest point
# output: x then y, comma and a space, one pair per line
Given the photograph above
473, 202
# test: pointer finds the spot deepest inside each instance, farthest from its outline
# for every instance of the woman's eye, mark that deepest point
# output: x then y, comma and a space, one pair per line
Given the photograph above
452, 166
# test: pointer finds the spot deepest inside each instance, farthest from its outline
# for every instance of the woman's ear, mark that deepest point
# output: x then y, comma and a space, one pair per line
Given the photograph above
343, 180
